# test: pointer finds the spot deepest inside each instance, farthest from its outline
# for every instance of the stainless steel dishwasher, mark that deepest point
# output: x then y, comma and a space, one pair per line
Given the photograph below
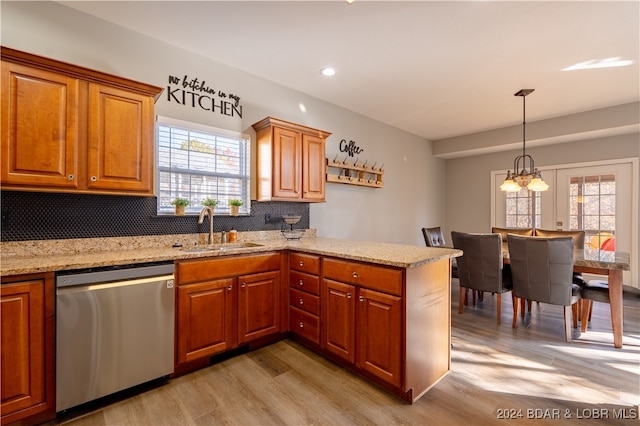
114, 330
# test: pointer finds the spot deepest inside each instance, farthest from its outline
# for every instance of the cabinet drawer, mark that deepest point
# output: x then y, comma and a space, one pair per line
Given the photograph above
305, 325
305, 263
191, 271
305, 282
304, 301
376, 277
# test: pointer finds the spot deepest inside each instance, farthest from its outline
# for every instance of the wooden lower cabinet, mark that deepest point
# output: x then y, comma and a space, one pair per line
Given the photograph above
339, 319
379, 333
27, 332
364, 327
304, 296
390, 324
258, 305
226, 302
206, 319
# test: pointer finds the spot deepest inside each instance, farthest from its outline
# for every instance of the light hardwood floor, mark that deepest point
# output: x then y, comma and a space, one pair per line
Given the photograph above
498, 376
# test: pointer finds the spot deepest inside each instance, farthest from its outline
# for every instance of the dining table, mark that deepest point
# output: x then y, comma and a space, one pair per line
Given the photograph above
602, 262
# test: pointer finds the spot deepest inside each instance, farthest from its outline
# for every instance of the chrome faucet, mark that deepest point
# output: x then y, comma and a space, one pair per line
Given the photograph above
206, 210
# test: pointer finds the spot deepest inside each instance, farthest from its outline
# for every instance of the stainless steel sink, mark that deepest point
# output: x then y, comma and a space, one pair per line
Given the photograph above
231, 246
221, 247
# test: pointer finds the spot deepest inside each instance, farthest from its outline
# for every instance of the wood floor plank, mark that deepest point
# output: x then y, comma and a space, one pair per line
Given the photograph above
526, 376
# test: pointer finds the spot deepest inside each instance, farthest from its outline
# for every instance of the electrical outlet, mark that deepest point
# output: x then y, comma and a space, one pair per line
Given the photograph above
267, 218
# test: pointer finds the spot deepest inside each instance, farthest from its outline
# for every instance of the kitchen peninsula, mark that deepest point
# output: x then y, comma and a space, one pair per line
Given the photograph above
381, 310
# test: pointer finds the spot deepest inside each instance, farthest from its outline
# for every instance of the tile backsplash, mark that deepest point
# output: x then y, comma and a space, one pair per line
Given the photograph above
51, 216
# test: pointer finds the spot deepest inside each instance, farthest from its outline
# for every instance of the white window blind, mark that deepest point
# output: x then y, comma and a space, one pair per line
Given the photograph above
198, 162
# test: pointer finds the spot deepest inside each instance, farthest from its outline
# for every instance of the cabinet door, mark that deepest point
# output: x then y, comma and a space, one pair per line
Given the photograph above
287, 163
258, 305
121, 140
313, 168
338, 321
23, 346
379, 331
40, 134
206, 319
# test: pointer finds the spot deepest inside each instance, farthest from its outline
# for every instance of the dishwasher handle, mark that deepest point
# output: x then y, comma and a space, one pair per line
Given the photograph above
168, 279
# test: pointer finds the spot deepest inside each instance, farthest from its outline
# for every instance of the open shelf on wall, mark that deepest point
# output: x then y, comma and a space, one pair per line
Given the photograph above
353, 174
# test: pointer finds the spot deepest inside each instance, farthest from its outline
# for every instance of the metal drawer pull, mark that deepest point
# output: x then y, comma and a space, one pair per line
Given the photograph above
301, 263
244, 285
229, 288
301, 282
361, 299
355, 275
348, 295
301, 302
301, 325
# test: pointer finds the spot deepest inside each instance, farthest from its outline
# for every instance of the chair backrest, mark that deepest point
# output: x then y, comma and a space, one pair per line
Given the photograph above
542, 268
526, 232
578, 236
480, 266
433, 237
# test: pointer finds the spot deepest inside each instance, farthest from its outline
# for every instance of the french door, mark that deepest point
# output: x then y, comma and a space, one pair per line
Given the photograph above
600, 199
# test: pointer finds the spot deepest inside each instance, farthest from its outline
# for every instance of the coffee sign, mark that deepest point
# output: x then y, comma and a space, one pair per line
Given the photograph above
350, 147
198, 94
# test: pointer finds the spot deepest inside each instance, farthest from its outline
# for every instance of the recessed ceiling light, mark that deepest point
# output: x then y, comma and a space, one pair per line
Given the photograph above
328, 71
599, 63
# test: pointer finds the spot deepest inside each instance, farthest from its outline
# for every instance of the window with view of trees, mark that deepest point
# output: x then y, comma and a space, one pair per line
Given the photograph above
592, 204
523, 209
198, 162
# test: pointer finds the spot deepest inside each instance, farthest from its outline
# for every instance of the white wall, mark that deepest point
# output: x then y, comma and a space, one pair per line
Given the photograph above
414, 192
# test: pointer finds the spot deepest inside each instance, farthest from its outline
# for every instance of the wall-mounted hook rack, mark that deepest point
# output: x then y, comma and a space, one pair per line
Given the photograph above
352, 174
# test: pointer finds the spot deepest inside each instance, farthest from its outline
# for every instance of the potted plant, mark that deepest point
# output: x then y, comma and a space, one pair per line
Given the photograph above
180, 204
235, 205
210, 202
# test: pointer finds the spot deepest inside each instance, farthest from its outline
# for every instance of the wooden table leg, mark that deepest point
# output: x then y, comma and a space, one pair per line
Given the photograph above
615, 301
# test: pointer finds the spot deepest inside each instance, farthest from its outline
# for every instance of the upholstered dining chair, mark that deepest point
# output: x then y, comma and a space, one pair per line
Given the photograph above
577, 235
593, 291
541, 270
480, 267
578, 244
434, 237
525, 232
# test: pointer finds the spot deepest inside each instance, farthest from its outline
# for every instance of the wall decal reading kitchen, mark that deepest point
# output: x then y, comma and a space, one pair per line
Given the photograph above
198, 94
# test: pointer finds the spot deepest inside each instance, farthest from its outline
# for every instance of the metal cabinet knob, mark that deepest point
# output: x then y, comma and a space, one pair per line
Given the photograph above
355, 275
230, 287
301, 263
244, 285
361, 299
301, 325
301, 302
70, 177
94, 179
301, 282
348, 295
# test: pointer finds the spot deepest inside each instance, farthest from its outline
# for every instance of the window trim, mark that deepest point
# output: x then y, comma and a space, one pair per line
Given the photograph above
222, 208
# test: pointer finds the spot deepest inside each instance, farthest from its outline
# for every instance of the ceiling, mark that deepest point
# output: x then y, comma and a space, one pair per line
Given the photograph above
434, 69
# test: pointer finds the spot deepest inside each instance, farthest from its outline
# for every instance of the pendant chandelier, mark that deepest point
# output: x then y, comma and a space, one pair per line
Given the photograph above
523, 176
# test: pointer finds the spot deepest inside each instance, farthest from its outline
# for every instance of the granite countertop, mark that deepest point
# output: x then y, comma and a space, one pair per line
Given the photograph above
27, 257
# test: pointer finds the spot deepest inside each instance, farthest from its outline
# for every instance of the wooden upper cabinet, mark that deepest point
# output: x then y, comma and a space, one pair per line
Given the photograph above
291, 161
121, 140
70, 129
313, 168
40, 134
